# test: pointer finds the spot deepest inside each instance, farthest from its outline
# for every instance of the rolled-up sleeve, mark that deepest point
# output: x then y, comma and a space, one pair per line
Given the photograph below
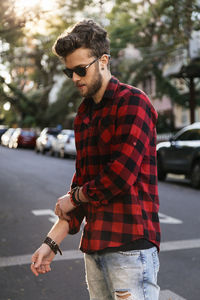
77, 216
74, 181
135, 121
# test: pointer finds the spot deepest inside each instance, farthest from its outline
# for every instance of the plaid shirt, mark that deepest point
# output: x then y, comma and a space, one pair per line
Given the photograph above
116, 166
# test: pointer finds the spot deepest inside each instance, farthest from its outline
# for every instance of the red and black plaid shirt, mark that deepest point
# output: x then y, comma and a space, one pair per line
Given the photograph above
116, 165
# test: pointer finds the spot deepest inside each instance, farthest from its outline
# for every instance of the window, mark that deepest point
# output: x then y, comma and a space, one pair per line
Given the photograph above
190, 135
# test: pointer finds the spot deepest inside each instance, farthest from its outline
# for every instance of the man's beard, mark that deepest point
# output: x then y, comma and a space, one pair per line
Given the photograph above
95, 85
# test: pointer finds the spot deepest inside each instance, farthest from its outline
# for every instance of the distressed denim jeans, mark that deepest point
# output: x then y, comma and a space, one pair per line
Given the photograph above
130, 275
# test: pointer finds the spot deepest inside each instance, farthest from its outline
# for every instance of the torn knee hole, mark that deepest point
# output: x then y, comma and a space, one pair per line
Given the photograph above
122, 295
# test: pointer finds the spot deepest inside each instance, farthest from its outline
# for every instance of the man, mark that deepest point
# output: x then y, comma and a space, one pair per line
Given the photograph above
115, 184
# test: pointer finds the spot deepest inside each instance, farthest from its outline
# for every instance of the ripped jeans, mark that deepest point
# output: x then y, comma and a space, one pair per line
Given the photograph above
130, 275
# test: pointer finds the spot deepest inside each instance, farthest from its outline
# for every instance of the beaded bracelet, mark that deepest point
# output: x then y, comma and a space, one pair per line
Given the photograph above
78, 190
72, 200
75, 201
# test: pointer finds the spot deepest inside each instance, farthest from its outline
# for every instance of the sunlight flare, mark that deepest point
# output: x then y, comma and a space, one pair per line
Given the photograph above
22, 6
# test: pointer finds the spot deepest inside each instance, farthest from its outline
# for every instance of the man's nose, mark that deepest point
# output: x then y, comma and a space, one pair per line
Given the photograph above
75, 77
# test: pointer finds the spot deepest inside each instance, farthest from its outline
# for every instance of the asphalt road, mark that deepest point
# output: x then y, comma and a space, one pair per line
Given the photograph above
29, 186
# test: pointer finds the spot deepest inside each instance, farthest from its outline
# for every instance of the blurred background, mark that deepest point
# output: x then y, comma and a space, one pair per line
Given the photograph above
155, 46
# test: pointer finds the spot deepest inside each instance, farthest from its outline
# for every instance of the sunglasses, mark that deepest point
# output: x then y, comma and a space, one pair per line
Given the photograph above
80, 71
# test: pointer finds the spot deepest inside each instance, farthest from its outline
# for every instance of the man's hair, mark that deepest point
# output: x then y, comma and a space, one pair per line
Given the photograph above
85, 34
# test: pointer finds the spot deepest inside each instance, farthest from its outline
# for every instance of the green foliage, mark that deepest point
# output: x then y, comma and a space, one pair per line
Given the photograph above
67, 103
10, 25
157, 29
31, 65
165, 123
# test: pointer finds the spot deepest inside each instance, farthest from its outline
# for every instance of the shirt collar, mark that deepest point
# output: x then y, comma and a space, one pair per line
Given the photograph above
111, 88
109, 94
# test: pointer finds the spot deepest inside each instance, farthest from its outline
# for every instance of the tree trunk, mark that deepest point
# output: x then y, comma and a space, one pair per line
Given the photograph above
192, 100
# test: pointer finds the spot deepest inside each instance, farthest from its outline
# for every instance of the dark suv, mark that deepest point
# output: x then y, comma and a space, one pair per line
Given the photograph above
181, 155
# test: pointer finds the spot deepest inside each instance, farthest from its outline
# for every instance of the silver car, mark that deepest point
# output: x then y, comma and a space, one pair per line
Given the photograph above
5, 138
64, 144
45, 140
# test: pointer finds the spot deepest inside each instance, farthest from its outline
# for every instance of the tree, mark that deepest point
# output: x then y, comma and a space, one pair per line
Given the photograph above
30, 65
10, 25
158, 29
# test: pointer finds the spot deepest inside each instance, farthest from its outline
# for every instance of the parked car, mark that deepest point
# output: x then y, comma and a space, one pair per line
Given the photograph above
68, 147
23, 138
59, 142
5, 138
3, 129
45, 139
181, 155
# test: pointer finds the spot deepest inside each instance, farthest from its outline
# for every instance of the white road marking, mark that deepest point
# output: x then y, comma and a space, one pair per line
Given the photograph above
26, 259
46, 212
49, 212
168, 220
53, 218
72, 255
169, 295
180, 245
76, 254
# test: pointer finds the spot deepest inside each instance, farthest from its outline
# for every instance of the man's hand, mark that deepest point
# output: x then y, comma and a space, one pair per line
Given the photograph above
62, 215
63, 206
41, 260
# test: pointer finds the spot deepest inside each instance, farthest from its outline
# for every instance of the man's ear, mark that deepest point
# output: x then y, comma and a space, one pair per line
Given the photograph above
104, 61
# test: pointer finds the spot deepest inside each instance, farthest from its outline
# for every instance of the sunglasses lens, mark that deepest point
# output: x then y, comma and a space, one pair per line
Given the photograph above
68, 72
81, 71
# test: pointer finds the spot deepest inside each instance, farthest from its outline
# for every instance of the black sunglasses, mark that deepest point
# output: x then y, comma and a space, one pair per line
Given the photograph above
80, 71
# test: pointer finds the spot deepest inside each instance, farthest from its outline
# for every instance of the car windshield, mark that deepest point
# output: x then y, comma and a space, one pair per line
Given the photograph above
66, 132
3, 130
27, 133
190, 135
53, 132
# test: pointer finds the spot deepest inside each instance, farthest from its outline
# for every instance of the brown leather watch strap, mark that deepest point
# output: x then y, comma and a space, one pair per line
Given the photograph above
54, 247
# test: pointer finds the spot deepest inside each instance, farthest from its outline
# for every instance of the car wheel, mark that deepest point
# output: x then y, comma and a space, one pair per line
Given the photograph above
62, 153
195, 175
161, 173
37, 150
52, 153
43, 151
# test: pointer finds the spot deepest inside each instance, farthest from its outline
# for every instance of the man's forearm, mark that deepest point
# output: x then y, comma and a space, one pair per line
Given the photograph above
59, 231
